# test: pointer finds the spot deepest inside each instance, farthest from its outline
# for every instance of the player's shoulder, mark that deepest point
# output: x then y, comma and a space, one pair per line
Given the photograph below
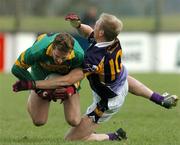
44, 40
41, 36
77, 48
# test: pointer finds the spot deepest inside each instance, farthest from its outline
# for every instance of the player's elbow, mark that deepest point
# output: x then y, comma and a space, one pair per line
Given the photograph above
79, 75
71, 79
14, 70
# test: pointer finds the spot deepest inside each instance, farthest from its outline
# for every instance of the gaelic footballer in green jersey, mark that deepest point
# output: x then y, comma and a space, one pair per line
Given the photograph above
53, 56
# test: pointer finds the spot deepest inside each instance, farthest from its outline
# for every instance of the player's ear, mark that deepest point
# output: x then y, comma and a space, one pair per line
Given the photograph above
101, 33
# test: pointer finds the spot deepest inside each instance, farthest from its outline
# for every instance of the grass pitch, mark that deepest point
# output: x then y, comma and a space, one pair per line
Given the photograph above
56, 24
146, 123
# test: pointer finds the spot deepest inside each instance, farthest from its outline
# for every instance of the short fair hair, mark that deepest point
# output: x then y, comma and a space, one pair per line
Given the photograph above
111, 26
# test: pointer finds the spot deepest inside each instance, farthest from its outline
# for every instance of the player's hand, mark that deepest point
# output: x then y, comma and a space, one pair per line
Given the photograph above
51, 94
74, 20
70, 90
24, 85
60, 93
63, 93
46, 94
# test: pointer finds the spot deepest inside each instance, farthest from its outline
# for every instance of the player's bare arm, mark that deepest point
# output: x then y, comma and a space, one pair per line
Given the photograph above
83, 29
74, 76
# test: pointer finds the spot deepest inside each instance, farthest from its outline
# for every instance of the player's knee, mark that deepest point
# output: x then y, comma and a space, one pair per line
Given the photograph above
68, 137
39, 123
74, 122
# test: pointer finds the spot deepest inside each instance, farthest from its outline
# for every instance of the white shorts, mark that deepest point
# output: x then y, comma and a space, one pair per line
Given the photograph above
114, 104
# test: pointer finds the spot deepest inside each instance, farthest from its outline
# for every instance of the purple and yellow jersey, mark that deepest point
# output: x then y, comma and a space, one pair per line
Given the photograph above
39, 58
103, 67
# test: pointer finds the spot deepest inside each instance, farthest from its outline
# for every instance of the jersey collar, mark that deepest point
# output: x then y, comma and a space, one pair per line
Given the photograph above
49, 50
104, 44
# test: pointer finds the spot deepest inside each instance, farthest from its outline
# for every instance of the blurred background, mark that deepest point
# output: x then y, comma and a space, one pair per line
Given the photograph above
45, 15
151, 52
150, 37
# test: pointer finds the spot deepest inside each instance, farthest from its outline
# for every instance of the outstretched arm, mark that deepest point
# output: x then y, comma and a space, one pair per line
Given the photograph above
74, 76
83, 29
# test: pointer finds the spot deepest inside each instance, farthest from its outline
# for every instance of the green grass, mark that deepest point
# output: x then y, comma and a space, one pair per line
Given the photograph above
6, 23
145, 122
35, 24
50, 24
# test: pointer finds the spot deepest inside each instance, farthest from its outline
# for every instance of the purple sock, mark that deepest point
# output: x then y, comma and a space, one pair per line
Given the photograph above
157, 98
112, 136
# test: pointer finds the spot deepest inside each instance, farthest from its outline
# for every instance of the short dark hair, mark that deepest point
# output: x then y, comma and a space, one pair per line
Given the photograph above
63, 42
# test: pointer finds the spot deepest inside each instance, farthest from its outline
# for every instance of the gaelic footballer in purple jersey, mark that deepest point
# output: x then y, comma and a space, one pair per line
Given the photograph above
103, 67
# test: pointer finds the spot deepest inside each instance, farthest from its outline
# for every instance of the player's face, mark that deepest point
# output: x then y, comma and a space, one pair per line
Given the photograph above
98, 33
59, 56
96, 30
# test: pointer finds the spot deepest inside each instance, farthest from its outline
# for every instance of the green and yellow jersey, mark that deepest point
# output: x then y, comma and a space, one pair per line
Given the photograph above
39, 58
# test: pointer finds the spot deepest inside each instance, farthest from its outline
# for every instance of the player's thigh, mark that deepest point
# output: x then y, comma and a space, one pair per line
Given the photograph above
37, 107
83, 130
72, 108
